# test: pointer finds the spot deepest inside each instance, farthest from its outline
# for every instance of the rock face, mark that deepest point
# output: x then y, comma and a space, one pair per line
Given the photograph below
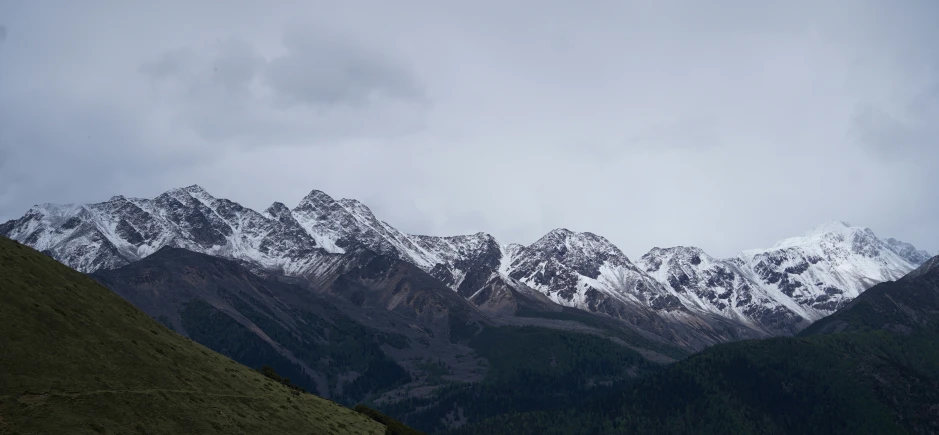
760, 292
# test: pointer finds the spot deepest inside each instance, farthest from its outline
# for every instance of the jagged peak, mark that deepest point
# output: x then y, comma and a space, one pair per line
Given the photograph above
481, 235
177, 193
485, 237
195, 188
674, 250
904, 245
277, 209
585, 242
317, 195
908, 251
832, 230
191, 189
560, 232
564, 234
317, 199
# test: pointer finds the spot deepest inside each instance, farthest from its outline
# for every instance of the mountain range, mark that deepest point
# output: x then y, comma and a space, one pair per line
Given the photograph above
680, 293
446, 332
872, 367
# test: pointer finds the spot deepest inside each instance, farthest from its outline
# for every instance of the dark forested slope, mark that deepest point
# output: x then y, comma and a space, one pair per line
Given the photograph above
872, 367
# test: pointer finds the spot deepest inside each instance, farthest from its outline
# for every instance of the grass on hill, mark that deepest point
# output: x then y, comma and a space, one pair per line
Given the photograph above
76, 358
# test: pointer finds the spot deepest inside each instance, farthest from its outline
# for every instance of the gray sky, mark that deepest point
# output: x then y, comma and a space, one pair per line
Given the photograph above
722, 124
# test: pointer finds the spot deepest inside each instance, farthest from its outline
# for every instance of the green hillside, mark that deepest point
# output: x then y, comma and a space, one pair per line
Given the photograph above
76, 358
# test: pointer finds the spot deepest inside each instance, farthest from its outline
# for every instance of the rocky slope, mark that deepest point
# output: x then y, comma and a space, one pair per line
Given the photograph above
761, 292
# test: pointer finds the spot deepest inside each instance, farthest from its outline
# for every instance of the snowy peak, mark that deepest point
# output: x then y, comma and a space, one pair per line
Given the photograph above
583, 242
188, 194
584, 252
278, 211
829, 233
690, 254
822, 270
121, 230
782, 288
586, 271
462, 262
339, 225
316, 197
907, 251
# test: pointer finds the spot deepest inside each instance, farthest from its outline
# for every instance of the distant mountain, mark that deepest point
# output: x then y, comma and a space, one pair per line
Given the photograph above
827, 267
783, 289
680, 293
871, 367
907, 251
76, 358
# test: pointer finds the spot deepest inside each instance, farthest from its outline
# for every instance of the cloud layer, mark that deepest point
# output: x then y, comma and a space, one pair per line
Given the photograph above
726, 125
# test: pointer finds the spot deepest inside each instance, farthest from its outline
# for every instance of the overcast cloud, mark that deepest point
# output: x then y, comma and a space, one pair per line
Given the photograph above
724, 124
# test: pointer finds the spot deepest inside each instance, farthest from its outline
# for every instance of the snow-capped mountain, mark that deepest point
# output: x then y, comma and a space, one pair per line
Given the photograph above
585, 270
827, 267
719, 286
786, 287
122, 230
907, 251
772, 291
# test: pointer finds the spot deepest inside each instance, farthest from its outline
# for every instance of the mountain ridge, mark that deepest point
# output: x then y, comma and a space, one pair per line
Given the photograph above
766, 292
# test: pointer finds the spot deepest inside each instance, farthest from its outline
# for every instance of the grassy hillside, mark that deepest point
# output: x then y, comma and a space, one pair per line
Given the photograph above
76, 358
